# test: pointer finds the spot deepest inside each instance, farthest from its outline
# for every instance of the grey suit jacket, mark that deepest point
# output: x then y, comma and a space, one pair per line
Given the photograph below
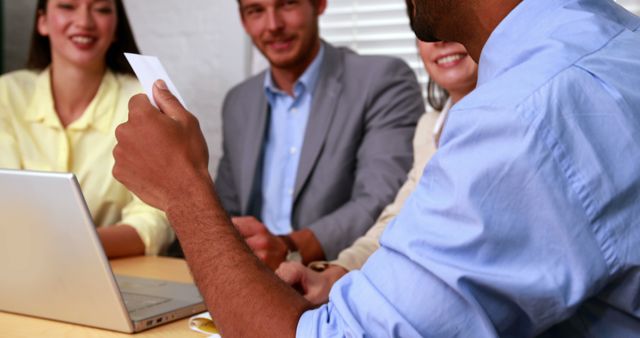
356, 152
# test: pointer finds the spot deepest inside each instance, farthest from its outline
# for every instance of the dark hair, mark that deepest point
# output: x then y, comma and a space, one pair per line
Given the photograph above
313, 2
40, 52
436, 95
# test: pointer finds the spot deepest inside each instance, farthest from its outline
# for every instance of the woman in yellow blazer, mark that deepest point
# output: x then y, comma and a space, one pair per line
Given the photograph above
61, 113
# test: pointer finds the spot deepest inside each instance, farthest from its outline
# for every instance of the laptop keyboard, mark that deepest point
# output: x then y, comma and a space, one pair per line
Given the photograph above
135, 302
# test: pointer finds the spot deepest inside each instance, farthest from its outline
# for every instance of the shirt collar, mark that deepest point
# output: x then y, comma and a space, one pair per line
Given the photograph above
41, 106
306, 82
99, 114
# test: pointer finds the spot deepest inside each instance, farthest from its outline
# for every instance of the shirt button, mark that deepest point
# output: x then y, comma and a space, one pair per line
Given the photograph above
293, 150
293, 110
290, 192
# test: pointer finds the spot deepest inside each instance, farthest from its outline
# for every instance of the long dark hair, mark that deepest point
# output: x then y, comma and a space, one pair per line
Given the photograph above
40, 52
436, 96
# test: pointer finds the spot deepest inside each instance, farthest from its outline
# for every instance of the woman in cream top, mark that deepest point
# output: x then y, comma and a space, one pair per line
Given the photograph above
61, 115
452, 75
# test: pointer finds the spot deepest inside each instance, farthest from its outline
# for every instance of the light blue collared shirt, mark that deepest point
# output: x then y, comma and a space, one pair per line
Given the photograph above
528, 216
287, 124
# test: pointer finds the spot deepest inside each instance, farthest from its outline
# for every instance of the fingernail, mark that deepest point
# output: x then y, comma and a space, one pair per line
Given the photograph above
161, 84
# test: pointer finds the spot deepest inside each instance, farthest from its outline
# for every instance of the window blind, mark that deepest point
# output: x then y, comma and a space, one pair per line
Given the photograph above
378, 27
373, 27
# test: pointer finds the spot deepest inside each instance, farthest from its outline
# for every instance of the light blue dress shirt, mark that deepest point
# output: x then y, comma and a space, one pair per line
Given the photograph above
528, 216
287, 124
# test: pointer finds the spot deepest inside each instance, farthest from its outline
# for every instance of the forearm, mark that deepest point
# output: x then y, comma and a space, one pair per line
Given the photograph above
243, 295
121, 241
151, 225
308, 245
245, 298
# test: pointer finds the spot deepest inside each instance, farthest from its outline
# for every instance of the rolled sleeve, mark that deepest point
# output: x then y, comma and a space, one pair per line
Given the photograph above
313, 322
151, 224
360, 306
9, 154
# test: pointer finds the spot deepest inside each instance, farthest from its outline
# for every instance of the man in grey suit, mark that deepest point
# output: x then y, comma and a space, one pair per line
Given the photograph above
315, 146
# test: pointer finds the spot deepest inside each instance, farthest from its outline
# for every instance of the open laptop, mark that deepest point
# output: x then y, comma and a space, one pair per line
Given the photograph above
52, 264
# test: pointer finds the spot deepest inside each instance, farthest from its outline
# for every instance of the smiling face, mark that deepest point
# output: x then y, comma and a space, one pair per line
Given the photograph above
80, 31
285, 31
450, 66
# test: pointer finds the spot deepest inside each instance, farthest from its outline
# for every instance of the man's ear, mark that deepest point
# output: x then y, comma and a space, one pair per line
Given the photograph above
321, 6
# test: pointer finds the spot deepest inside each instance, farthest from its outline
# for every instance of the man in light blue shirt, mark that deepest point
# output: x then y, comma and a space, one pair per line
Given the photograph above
317, 144
526, 222
288, 122
529, 214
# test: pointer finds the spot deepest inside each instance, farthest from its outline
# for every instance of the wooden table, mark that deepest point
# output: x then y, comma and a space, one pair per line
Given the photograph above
16, 326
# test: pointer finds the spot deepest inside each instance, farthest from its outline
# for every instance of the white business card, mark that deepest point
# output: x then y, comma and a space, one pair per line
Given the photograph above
148, 69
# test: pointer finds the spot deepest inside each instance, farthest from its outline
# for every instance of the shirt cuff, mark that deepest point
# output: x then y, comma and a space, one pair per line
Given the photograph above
306, 326
152, 227
320, 323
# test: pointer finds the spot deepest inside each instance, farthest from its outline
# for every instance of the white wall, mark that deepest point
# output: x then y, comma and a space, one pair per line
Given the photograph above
204, 48
201, 42
632, 5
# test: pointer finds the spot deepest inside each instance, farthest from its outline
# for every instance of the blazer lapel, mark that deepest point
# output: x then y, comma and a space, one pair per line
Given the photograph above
323, 109
253, 145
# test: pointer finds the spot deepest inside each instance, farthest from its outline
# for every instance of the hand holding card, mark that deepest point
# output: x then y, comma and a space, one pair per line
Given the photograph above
148, 69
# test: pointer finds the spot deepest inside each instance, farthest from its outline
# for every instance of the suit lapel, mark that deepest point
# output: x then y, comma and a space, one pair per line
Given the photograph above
253, 144
323, 109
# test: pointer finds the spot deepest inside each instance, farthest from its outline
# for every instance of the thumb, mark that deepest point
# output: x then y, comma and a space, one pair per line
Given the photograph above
167, 103
288, 273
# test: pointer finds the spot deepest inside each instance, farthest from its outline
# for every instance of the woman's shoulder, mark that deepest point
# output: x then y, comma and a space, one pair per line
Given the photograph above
17, 88
19, 80
129, 84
